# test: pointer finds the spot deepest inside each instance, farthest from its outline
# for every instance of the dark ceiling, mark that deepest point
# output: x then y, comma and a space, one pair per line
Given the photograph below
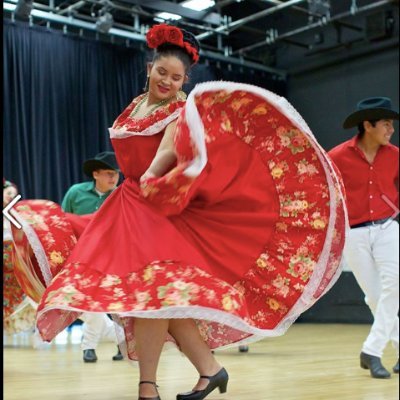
275, 36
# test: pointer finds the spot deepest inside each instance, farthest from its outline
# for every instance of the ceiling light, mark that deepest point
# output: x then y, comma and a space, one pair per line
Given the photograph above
104, 23
23, 9
9, 7
198, 5
321, 7
168, 16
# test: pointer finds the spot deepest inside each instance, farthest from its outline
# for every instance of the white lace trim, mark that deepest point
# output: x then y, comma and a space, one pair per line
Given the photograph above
22, 306
189, 312
33, 303
7, 233
37, 247
307, 299
196, 129
150, 131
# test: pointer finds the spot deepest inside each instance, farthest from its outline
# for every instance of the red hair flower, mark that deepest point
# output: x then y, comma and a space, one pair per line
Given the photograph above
155, 36
175, 36
163, 33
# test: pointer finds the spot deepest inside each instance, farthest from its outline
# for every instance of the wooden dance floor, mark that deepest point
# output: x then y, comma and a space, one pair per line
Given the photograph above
310, 362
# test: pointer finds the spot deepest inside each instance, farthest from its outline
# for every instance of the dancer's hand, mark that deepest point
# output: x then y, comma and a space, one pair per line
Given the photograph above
147, 175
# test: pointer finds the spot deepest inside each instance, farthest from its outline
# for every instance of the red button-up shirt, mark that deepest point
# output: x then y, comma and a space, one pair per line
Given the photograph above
371, 189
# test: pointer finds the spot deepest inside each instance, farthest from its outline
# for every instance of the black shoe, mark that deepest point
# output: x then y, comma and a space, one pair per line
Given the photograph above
149, 398
396, 367
118, 356
243, 349
219, 380
373, 363
89, 356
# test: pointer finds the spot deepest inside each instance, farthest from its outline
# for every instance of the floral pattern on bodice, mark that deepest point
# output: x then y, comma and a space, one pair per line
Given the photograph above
127, 122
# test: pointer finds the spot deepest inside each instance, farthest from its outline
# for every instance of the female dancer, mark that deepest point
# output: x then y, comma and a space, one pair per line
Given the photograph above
229, 224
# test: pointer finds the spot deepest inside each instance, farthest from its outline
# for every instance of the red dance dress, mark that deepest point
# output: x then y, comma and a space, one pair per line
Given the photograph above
244, 234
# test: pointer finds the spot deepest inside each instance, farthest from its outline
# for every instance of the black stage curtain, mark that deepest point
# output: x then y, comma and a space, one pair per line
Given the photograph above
61, 93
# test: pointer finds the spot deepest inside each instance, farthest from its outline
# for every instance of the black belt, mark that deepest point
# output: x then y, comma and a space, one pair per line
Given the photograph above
369, 223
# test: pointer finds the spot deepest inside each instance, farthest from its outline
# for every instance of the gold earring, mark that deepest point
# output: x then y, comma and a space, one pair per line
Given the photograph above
181, 95
146, 86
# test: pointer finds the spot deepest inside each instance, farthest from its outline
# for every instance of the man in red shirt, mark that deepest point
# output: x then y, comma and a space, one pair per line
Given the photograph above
369, 165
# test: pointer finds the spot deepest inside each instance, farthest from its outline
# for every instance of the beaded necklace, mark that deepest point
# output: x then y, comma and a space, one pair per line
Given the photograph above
141, 102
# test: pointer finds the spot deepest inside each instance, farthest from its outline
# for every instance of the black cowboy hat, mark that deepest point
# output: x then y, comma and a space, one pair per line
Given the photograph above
104, 160
370, 109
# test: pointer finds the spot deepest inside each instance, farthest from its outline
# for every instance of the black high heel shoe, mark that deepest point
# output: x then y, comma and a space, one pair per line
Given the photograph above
219, 380
149, 398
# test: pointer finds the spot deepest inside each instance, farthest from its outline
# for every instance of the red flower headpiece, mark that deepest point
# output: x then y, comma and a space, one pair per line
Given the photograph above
163, 33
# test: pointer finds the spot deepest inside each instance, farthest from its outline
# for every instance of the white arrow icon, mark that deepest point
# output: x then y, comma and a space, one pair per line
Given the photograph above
9, 206
391, 205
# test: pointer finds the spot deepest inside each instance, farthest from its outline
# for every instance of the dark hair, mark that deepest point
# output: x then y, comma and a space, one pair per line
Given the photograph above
191, 39
7, 184
361, 129
166, 50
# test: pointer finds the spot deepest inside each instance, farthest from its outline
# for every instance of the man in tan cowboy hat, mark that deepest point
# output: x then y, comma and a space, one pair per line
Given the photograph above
369, 165
86, 198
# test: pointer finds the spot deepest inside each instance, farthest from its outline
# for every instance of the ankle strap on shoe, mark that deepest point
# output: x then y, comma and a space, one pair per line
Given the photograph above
149, 382
211, 377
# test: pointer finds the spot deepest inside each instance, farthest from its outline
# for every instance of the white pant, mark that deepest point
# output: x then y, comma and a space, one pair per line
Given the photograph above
373, 255
95, 328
